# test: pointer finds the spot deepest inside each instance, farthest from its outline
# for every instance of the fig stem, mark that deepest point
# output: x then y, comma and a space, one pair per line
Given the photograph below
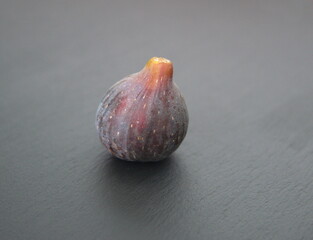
160, 69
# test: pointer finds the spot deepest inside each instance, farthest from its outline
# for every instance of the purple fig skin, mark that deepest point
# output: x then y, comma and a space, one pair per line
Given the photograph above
143, 117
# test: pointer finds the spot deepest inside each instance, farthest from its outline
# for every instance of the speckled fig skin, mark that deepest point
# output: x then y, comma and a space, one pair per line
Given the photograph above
143, 117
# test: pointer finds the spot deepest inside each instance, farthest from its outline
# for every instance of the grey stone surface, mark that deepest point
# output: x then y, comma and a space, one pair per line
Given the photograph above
245, 169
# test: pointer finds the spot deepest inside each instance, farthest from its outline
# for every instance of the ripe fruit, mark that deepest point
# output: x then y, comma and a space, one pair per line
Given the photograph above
143, 117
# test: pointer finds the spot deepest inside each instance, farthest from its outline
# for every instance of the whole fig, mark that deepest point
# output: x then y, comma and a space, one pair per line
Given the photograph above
143, 117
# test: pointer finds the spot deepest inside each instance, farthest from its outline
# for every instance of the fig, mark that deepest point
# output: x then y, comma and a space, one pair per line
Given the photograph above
143, 117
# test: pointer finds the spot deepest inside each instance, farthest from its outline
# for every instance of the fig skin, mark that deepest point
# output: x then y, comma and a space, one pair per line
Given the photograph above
143, 117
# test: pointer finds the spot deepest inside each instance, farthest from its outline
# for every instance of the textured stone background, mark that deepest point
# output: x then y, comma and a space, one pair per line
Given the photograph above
245, 169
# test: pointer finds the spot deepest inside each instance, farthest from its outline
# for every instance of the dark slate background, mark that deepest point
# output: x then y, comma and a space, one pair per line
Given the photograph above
245, 169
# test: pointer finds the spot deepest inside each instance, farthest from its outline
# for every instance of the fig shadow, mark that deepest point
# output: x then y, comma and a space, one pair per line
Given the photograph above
135, 191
